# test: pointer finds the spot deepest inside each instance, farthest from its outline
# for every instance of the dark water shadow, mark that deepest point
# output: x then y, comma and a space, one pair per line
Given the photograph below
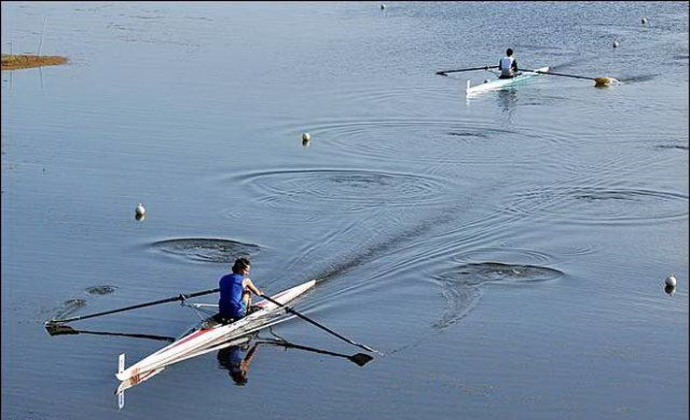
206, 250
100, 290
71, 306
461, 286
462, 289
638, 79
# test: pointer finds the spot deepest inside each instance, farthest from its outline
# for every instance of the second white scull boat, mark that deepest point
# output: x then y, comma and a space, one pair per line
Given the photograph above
211, 333
502, 83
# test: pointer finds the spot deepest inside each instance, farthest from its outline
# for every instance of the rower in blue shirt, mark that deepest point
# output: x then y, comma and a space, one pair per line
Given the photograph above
507, 65
235, 292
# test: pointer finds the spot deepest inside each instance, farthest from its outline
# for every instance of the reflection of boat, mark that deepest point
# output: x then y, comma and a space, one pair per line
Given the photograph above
223, 348
502, 83
360, 359
210, 333
135, 380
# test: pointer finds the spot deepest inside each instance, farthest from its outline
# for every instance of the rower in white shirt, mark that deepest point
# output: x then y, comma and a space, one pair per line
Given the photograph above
508, 65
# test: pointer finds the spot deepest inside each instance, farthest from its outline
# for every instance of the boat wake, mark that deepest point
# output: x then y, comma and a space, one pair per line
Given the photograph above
461, 287
589, 205
73, 305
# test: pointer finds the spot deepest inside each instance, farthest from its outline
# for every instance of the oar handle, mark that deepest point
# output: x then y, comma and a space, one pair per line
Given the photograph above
128, 308
311, 321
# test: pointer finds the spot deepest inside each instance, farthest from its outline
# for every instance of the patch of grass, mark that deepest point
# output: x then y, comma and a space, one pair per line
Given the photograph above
16, 62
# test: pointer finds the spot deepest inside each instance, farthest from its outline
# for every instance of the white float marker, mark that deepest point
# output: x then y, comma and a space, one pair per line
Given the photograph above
140, 210
671, 281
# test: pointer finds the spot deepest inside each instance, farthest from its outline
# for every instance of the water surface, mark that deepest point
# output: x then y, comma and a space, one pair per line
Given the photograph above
505, 252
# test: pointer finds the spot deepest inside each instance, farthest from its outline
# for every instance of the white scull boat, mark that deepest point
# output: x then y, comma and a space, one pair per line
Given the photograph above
502, 83
136, 380
210, 333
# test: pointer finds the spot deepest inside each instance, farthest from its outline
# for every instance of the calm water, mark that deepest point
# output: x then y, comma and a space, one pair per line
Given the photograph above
506, 252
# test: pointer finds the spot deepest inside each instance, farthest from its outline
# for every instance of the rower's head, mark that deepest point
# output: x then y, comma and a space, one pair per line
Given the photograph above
241, 266
509, 52
239, 376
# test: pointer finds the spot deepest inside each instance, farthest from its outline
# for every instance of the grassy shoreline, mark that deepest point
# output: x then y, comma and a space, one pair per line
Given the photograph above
16, 62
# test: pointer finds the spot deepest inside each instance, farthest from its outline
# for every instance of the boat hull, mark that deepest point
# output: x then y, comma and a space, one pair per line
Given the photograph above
212, 332
503, 83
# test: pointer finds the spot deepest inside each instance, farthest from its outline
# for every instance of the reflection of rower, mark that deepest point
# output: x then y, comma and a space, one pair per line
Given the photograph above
231, 359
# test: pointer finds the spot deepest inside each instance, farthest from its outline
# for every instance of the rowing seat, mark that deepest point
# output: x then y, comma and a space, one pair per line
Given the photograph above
218, 319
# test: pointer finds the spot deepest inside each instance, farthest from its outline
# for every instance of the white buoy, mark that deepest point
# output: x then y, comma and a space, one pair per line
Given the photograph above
671, 281
383, 6
141, 211
306, 137
644, 20
616, 44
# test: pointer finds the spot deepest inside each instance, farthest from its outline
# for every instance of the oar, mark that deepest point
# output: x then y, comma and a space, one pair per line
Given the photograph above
443, 72
141, 305
360, 359
598, 81
289, 309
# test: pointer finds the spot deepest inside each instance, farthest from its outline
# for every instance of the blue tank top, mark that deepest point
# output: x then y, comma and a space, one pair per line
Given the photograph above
230, 302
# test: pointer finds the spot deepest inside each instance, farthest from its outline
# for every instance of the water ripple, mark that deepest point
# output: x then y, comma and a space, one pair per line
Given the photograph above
411, 140
68, 307
588, 205
347, 188
476, 274
460, 286
513, 254
207, 250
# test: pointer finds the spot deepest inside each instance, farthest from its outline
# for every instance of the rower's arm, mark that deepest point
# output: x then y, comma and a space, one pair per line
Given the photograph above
250, 285
515, 65
250, 354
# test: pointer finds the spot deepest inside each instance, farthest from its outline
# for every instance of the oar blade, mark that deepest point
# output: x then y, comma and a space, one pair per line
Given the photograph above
361, 359
59, 329
604, 81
